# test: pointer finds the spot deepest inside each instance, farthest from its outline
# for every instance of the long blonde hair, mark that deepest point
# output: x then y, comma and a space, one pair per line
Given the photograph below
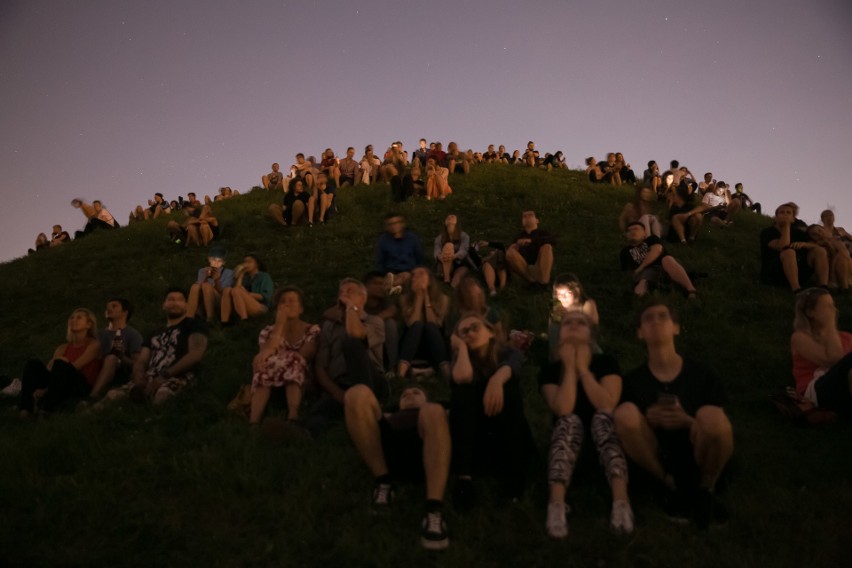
93, 327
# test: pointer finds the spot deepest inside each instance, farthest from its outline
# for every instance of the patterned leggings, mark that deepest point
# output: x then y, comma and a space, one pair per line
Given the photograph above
567, 439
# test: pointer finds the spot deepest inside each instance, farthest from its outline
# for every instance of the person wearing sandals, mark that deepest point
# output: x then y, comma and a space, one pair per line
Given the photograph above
822, 355
646, 257
252, 291
582, 388
287, 350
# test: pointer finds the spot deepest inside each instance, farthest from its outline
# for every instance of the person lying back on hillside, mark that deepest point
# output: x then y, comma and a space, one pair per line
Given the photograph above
170, 357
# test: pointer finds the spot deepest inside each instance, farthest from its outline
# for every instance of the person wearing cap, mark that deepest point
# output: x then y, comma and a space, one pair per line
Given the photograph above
411, 443
212, 279
720, 207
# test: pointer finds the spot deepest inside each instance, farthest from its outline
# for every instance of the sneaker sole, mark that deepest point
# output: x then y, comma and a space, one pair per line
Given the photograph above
430, 544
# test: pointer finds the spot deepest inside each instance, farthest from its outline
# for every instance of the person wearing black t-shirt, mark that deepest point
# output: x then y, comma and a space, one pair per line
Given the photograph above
671, 421
531, 253
787, 256
648, 259
582, 389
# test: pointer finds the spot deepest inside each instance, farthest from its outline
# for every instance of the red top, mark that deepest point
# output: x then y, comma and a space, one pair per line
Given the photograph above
804, 370
92, 368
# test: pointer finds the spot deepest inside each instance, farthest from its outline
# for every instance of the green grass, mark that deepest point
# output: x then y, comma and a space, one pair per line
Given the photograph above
189, 485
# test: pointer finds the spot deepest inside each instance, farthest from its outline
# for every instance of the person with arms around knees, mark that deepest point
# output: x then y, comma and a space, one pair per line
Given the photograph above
531, 253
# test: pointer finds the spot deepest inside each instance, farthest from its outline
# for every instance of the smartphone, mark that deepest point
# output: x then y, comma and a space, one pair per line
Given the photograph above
666, 399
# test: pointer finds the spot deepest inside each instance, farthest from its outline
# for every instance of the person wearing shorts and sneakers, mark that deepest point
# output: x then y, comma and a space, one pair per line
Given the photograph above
671, 421
531, 253
649, 261
412, 443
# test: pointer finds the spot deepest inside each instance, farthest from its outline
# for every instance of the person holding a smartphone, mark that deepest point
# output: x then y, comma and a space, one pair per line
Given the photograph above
671, 421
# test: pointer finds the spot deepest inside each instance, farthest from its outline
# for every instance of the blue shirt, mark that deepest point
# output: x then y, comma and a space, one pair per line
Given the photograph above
399, 255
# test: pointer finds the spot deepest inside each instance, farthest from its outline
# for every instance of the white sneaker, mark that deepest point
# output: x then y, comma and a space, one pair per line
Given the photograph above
621, 520
13, 389
389, 281
557, 526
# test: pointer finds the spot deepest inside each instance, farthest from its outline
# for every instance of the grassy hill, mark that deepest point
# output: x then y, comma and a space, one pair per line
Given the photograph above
188, 484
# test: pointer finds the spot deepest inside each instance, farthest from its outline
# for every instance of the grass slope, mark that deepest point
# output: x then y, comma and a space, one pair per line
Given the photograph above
188, 485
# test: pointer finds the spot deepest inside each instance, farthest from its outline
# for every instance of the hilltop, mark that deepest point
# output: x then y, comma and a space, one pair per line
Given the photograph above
189, 485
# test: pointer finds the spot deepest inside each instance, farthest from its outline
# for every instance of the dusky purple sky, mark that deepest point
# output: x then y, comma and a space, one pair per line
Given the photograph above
118, 99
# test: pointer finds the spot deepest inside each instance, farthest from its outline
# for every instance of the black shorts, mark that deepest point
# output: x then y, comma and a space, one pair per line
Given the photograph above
344, 179
401, 443
772, 271
717, 213
832, 389
677, 456
459, 168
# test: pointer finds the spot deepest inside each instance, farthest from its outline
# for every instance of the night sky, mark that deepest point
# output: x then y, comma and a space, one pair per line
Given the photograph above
116, 100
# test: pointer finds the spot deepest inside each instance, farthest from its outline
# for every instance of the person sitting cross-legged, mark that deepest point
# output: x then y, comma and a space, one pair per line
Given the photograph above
646, 257
671, 421
412, 442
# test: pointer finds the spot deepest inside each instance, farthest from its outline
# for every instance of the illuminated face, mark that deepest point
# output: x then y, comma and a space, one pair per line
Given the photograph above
215, 261
474, 333
565, 296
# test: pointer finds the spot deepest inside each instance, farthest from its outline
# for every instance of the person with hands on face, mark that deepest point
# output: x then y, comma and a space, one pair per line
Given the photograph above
212, 279
423, 306
671, 420
349, 353
287, 350
489, 430
787, 257
170, 356
582, 389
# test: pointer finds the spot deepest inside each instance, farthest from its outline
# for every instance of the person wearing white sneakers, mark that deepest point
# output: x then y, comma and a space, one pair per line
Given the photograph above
582, 388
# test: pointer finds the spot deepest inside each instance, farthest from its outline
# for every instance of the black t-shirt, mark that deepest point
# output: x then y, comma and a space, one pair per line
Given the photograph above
632, 256
539, 238
772, 233
697, 385
600, 366
169, 344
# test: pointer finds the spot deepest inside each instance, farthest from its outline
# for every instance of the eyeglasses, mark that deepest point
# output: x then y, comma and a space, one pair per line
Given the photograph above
472, 328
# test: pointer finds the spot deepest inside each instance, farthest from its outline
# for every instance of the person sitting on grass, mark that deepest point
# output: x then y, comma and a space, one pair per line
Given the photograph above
330, 166
349, 353
671, 421
287, 350
251, 293
418, 157
41, 243
612, 169
322, 196
97, 217
451, 252
423, 307
292, 212
837, 233
639, 209
582, 388
378, 304
530, 157
822, 355
744, 199
398, 252
156, 207
839, 261
470, 299
568, 297
595, 173
489, 258
212, 279
369, 166
720, 207
556, 160
651, 177
437, 186
648, 260
457, 161
350, 170
411, 443
531, 253
170, 357
685, 217
59, 236
71, 371
120, 347
200, 228
487, 424
274, 180
787, 257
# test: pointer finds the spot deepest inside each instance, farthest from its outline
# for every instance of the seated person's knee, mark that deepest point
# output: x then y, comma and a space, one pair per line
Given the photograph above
627, 417
357, 396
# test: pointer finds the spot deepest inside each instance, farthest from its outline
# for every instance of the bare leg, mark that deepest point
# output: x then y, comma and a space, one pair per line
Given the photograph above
818, 260
517, 263
713, 440
208, 292
678, 226
790, 267
277, 213
298, 212
447, 261
362, 422
227, 304
206, 234
490, 277
435, 432
638, 440
264, 182
109, 367
312, 203
325, 203
458, 276
192, 236
677, 273
294, 400
192, 300
259, 400
545, 263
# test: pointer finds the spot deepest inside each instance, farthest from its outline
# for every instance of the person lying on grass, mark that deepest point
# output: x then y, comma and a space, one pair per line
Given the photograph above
411, 443
71, 371
671, 421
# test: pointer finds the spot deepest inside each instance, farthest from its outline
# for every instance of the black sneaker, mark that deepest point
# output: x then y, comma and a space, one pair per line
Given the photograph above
382, 497
433, 532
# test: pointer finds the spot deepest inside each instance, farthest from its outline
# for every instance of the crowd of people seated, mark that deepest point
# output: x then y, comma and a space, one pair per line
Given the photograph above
413, 317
